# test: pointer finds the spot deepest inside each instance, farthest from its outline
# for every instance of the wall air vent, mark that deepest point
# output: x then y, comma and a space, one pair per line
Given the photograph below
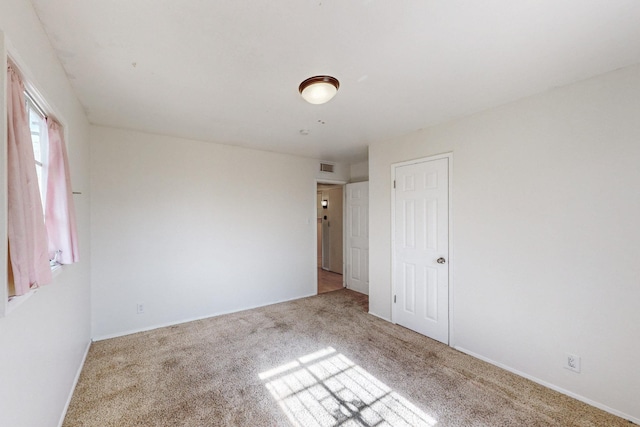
326, 167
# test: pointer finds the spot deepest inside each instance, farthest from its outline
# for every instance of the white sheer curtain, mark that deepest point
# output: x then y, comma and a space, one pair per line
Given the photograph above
28, 249
60, 217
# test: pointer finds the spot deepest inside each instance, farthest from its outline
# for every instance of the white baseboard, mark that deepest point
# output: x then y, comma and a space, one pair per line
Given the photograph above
380, 317
73, 386
192, 319
552, 386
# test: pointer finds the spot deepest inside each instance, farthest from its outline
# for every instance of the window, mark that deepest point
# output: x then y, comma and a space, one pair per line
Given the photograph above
37, 172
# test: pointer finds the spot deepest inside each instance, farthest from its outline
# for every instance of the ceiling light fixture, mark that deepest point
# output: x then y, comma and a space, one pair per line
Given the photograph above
319, 89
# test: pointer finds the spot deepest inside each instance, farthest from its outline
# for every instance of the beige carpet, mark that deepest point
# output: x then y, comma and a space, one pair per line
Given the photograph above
318, 361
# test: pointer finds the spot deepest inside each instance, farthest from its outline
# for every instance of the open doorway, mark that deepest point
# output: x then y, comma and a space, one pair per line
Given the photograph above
330, 208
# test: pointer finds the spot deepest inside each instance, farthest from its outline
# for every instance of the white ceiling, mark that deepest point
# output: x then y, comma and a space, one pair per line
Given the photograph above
228, 71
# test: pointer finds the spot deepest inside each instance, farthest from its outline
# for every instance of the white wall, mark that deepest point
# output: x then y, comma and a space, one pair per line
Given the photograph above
546, 242
359, 171
193, 229
4, 249
44, 340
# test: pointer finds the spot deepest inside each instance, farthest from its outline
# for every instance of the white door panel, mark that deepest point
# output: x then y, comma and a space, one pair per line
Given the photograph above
357, 274
421, 238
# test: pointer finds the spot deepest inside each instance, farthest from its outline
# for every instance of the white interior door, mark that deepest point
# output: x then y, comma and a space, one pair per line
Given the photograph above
421, 248
357, 231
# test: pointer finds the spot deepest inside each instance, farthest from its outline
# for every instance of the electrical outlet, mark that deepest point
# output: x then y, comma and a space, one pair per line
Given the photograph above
140, 308
572, 362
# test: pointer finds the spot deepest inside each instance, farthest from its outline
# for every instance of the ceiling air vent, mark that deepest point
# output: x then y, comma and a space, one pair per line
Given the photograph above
326, 167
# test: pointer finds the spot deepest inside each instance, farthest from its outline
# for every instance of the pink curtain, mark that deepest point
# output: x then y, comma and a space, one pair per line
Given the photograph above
60, 217
27, 235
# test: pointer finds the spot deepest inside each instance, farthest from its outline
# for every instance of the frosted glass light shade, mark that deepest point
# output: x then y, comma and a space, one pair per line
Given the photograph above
319, 89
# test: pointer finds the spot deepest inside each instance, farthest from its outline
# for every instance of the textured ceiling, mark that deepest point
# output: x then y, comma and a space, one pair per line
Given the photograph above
228, 71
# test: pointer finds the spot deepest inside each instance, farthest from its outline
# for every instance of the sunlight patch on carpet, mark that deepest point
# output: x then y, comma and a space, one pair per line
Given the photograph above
325, 389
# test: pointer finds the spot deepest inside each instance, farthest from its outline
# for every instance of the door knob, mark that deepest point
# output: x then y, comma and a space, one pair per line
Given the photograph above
441, 260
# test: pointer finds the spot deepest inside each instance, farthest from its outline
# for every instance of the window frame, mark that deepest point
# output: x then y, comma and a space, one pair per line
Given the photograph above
41, 164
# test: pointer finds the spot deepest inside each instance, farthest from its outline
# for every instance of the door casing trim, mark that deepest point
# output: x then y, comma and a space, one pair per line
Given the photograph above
315, 234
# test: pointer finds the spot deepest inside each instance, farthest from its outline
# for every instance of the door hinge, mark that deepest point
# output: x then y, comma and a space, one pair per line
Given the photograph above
394, 183
394, 299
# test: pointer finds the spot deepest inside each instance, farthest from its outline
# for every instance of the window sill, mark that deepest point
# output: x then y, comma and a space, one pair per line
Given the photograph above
56, 269
16, 301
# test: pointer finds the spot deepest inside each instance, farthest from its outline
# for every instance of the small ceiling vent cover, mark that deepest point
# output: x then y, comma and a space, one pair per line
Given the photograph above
326, 167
